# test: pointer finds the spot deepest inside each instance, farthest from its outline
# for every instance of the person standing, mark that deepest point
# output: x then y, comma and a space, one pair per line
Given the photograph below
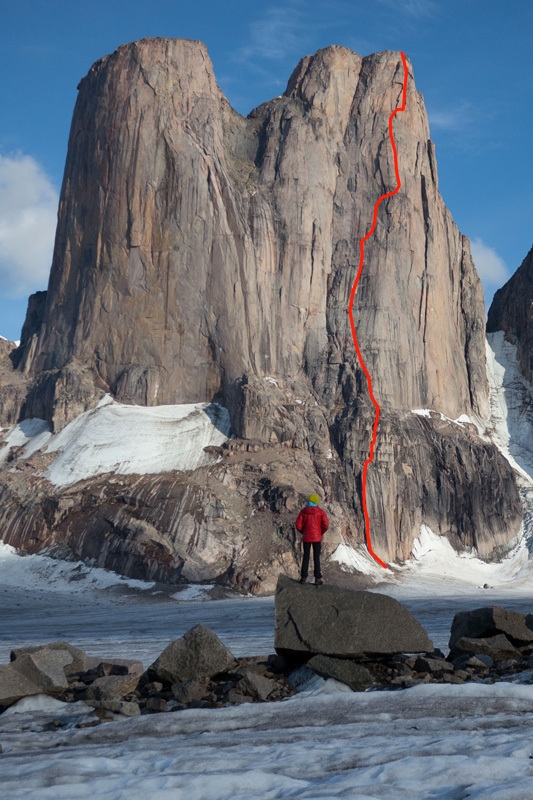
312, 523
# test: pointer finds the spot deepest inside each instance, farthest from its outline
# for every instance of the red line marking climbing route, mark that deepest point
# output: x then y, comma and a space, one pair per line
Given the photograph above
350, 313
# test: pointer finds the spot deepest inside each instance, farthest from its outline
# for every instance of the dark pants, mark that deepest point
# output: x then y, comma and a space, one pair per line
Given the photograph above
317, 546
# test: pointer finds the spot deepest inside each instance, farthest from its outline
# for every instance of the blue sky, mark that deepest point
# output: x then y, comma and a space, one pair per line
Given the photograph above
473, 61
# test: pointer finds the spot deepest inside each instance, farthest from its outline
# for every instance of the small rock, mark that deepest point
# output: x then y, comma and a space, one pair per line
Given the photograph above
452, 678
480, 661
124, 707
191, 689
276, 663
462, 674
114, 687
173, 705
357, 677
153, 686
237, 697
114, 666
53, 725
433, 665
257, 685
90, 723
155, 704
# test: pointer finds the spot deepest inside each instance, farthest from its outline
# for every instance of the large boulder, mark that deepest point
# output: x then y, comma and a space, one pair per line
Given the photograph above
198, 654
14, 685
78, 658
342, 622
45, 668
481, 623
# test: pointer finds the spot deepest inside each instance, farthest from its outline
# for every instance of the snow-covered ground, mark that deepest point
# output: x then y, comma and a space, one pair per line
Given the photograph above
429, 742
432, 742
122, 439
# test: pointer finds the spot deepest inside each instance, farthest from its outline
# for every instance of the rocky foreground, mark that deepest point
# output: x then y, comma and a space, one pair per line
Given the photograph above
375, 644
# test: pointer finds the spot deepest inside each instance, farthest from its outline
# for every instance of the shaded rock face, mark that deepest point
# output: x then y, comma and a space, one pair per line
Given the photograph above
491, 621
203, 255
510, 311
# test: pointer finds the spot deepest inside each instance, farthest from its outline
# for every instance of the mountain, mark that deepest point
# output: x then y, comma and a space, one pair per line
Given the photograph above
510, 340
204, 257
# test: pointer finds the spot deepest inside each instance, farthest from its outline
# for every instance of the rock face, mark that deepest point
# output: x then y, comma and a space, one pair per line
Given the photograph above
201, 255
510, 312
331, 621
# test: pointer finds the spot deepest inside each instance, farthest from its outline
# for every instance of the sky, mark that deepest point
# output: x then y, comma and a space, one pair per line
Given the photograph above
472, 60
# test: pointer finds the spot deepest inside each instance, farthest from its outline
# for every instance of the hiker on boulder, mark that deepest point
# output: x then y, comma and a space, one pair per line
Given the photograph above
312, 523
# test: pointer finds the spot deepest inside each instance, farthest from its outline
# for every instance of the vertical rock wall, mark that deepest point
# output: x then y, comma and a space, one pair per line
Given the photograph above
200, 254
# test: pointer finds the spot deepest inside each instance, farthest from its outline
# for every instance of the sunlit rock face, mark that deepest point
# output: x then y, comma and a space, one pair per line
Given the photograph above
202, 256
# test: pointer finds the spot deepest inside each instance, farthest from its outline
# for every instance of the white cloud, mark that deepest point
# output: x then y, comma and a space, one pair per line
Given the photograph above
413, 8
28, 218
490, 266
278, 34
451, 119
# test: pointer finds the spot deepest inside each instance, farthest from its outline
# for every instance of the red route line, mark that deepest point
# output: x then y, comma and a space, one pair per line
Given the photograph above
352, 324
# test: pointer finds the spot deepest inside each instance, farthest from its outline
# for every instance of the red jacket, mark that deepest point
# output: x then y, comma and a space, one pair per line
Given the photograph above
312, 522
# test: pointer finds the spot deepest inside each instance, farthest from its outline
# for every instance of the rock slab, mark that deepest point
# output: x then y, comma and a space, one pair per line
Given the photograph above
341, 622
78, 658
357, 677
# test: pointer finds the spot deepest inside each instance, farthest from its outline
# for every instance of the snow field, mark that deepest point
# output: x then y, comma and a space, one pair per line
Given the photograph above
122, 439
426, 742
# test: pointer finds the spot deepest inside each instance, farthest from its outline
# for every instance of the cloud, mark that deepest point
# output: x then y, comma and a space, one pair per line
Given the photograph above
277, 34
28, 218
491, 268
417, 9
452, 119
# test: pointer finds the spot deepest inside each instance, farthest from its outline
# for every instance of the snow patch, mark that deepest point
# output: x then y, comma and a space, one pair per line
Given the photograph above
34, 433
192, 593
42, 703
461, 419
511, 405
72, 577
421, 412
434, 560
126, 440
357, 559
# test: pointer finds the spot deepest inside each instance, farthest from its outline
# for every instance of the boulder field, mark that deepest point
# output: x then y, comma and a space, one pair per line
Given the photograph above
198, 671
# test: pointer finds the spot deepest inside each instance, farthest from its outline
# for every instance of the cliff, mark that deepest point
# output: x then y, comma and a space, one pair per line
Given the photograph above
201, 256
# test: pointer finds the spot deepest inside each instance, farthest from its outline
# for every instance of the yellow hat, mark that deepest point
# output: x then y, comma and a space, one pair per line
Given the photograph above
314, 498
